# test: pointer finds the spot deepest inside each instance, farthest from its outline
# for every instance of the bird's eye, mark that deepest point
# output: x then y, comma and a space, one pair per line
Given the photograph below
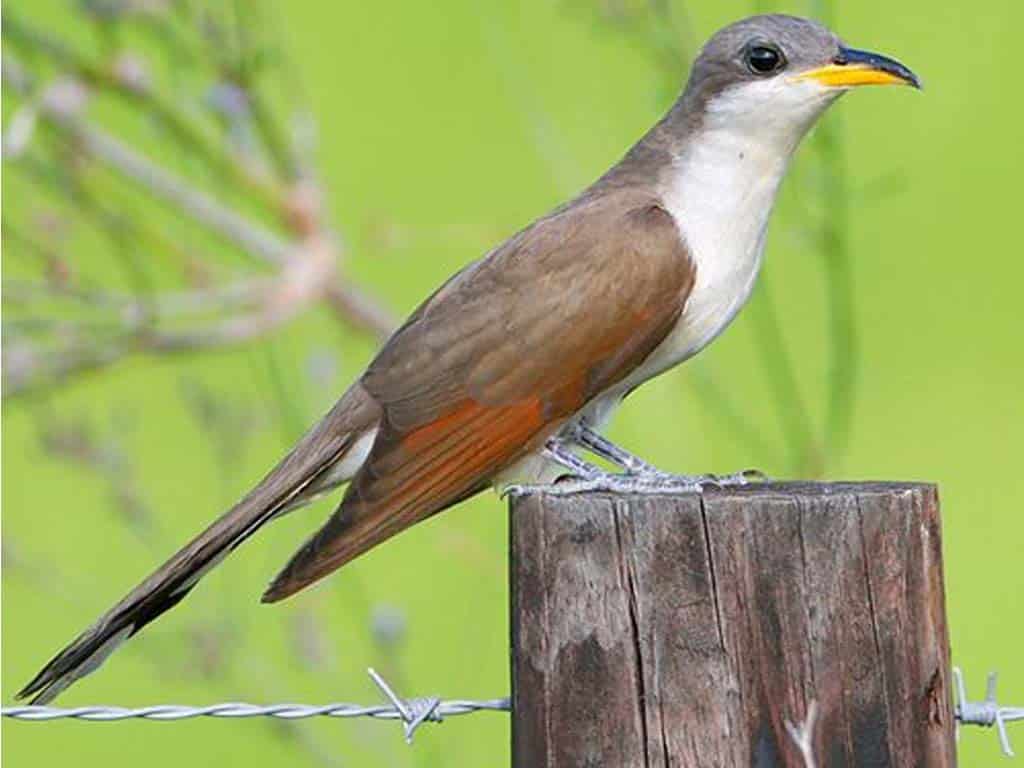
764, 59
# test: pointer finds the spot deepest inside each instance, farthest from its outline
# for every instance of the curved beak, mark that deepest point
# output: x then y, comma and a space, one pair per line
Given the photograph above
851, 68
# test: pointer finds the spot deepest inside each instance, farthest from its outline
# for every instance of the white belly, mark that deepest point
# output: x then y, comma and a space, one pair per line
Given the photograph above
717, 296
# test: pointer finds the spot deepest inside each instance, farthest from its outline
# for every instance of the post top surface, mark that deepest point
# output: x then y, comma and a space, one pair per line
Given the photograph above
802, 488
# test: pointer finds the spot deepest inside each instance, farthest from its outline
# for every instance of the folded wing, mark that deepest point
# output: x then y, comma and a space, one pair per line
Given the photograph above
495, 361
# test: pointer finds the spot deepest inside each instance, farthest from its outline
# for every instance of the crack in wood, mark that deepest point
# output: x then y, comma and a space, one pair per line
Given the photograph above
711, 571
628, 581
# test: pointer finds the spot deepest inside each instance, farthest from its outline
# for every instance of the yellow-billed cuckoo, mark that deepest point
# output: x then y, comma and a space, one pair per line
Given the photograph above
518, 359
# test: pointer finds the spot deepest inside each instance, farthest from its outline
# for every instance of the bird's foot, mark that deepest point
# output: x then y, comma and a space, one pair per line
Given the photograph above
633, 466
638, 477
608, 482
743, 477
653, 482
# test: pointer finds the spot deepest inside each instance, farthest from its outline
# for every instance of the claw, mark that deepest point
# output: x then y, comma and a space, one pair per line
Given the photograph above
518, 489
741, 478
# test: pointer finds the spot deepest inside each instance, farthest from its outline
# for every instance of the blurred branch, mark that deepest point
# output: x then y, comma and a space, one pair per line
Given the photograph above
69, 330
130, 235
60, 104
245, 70
778, 368
835, 251
131, 323
130, 83
28, 367
359, 310
76, 443
241, 294
659, 28
717, 401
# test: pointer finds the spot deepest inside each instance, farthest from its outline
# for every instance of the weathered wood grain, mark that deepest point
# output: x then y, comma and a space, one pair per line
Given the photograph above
686, 630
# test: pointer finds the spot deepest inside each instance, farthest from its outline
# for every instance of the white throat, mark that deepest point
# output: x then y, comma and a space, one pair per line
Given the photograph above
720, 190
721, 193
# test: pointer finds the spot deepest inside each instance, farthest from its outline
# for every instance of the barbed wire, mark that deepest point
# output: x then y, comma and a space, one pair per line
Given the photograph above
412, 712
985, 713
415, 712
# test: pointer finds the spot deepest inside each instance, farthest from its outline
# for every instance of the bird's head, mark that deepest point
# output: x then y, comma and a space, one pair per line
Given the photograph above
772, 76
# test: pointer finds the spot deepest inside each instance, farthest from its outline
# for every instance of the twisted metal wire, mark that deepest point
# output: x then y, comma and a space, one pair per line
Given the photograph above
412, 712
415, 712
987, 713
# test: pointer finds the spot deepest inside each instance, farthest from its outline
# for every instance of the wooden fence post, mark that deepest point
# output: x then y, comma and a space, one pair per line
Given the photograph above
658, 630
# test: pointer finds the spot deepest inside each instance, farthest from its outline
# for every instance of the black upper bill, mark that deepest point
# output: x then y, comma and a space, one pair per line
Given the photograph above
875, 61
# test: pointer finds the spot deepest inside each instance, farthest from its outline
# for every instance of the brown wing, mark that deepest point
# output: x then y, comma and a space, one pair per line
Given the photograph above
496, 360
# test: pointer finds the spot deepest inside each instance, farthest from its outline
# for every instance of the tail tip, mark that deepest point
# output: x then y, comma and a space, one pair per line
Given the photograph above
41, 691
278, 590
37, 686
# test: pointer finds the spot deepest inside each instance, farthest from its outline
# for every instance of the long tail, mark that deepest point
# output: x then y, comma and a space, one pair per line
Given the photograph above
311, 468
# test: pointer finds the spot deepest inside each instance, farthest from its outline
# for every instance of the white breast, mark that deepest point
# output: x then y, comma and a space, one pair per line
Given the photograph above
720, 192
720, 196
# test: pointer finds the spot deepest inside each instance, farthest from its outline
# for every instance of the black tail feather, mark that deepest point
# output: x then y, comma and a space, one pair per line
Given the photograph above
91, 648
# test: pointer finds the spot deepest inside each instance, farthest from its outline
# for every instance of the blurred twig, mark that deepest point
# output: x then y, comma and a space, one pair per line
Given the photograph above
262, 201
834, 247
77, 443
143, 95
780, 373
659, 28
718, 402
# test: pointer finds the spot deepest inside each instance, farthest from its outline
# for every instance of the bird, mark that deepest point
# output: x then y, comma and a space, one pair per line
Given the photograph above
507, 373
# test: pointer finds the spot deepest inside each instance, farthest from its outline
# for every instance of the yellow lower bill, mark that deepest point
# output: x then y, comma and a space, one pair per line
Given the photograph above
849, 75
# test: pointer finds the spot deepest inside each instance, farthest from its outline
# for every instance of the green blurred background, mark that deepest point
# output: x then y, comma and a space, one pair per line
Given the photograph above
441, 129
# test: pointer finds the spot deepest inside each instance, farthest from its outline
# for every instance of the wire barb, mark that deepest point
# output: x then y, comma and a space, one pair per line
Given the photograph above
803, 734
412, 712
985, 713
